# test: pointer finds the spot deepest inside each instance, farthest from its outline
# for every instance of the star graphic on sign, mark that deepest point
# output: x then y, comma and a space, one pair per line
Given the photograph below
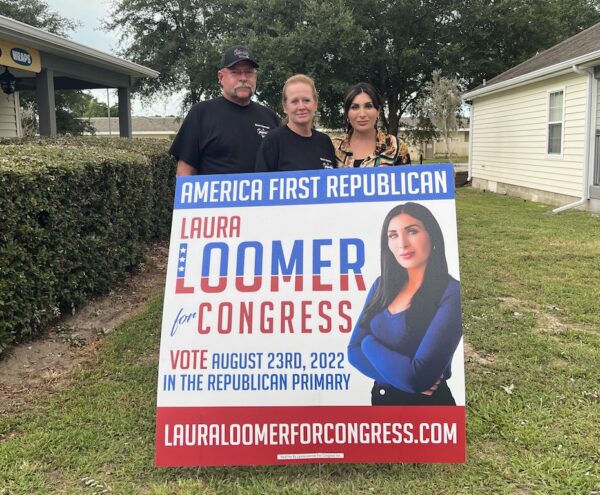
182, 250
181, 269
182, 259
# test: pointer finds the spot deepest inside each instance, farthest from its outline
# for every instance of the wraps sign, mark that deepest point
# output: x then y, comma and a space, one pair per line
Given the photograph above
19, 57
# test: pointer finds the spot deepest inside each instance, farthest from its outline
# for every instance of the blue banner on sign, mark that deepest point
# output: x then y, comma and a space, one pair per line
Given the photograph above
424, 182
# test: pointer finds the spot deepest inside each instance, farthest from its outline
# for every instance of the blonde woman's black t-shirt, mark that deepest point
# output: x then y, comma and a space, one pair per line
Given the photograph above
220, 137
284, 150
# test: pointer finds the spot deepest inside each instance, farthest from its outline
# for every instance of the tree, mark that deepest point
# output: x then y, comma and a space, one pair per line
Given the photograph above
180, 39
70, 106
441, 104
492, 36
68, 103
316, 38
95, 108
184, 39
406, 40
420, 132
36, 13
393, 44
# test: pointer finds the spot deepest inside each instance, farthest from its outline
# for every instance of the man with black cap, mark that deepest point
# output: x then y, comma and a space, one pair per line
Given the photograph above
221, 136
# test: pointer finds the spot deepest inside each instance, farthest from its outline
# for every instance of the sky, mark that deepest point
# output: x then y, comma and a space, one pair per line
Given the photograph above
90, 14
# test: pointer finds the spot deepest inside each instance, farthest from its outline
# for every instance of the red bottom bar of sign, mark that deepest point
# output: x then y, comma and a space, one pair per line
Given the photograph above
226, 436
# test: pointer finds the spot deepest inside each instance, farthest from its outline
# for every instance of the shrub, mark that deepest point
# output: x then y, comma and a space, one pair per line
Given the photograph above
77, 214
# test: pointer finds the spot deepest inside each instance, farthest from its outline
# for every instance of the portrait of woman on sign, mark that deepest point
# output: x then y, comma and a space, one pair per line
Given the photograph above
410, 327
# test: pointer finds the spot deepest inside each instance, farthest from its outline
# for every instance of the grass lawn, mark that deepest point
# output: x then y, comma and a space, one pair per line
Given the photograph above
531, 297
454, 159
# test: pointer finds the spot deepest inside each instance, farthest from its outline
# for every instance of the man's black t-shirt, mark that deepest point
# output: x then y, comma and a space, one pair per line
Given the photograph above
284, 150
220, 137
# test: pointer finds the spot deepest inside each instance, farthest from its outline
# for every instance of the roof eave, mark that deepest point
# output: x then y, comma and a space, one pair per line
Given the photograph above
588, 60
48, 42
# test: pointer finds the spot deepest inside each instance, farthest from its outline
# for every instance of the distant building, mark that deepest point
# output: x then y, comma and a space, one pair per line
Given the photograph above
155, 127
434, 148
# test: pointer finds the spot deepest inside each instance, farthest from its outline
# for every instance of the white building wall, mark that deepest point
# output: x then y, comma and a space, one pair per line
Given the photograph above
510, 137
9, 123
598, 106
595, 145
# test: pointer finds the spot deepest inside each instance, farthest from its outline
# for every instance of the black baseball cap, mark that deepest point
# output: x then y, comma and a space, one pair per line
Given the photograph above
236, 54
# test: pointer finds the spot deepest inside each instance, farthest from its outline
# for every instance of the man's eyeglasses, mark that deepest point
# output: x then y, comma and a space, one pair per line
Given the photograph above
240, 73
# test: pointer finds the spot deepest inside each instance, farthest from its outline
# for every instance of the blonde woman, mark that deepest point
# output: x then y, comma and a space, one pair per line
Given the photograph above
297, 145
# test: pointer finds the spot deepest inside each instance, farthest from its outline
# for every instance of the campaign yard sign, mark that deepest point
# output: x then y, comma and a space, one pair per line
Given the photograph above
263, 359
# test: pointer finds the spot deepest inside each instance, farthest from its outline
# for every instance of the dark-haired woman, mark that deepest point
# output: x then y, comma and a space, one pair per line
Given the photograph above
364, 145
411, 324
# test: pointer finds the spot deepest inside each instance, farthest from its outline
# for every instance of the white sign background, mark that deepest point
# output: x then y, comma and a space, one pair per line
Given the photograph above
286, 223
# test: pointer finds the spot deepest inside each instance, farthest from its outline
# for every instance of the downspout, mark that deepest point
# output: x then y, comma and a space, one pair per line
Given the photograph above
585, 194
470, 163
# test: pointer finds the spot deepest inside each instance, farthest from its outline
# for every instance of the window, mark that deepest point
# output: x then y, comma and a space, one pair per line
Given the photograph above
555, 122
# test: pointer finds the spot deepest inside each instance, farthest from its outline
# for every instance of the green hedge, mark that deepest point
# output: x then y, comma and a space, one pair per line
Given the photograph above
76, 214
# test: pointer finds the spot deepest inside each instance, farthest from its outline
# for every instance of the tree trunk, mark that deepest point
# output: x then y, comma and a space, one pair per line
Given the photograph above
195, 95
393, 116
446, 134
394, 125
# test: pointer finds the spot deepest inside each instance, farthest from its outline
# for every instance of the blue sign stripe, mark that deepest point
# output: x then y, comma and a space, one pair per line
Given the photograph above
182, 259
402, 183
